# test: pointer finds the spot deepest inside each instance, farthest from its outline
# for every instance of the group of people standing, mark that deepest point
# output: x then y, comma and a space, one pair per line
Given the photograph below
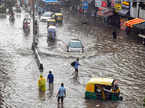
61, 94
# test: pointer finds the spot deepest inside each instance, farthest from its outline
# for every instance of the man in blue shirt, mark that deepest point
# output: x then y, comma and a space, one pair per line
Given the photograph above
76, 65
50, 79
61, 93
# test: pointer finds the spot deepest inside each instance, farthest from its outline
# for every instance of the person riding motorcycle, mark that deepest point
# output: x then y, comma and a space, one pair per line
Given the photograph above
12, 18
25, 23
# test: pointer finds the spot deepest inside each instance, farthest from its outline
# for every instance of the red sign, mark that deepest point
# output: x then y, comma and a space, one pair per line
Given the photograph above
104, 4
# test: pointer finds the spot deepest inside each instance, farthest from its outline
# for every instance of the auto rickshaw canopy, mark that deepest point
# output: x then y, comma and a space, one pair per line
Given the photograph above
90, 86
51, 20
101, 81
58, 14
132, 22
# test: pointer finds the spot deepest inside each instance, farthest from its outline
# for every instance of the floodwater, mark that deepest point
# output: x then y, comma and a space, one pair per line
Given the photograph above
122, 59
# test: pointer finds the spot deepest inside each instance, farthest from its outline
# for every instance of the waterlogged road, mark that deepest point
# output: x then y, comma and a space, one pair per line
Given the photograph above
123, 60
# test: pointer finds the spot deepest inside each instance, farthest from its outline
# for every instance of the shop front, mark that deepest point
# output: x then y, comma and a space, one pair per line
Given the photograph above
124, 11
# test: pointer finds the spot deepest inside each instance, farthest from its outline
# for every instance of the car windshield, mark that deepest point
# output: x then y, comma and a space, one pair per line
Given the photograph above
47, 14
75, 44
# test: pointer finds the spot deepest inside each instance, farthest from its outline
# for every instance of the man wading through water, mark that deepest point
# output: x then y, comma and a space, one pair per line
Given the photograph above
61, 94
50, 79
76, 64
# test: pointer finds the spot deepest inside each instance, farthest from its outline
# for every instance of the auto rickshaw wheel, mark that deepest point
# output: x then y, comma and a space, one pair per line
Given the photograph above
127, 30
120, 98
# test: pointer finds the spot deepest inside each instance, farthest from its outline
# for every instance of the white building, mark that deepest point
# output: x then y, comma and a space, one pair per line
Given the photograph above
137, 9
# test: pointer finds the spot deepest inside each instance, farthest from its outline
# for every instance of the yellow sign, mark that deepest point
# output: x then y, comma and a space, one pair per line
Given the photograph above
117, 7
125, 3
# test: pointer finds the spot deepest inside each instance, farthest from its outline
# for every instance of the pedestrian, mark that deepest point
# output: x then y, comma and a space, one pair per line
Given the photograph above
61, 94
42, 84
114, 34
76, 64
50, 79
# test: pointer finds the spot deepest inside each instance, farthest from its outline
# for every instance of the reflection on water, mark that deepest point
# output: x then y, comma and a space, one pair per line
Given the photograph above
42, 96
60, 105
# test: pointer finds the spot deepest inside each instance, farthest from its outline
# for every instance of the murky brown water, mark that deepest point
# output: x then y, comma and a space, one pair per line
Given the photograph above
122, 60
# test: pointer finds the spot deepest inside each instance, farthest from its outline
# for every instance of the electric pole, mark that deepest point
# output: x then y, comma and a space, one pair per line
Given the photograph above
33, 4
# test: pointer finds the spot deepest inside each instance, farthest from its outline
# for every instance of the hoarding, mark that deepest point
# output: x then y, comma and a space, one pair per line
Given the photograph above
98, 3
50, 1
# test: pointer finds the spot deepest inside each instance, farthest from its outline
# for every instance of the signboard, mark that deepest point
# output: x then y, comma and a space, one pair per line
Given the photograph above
50, 1
117, 7
98, 3
104, 4
112, 3
85, 5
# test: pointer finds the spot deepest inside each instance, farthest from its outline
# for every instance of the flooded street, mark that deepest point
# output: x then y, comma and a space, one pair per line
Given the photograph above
122, 59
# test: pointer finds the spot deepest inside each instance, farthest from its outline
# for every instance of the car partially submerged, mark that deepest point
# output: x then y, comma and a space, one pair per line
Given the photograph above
46, 16
75, 45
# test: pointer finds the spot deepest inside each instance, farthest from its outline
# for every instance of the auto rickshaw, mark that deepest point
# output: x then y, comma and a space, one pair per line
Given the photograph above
51, 33
103, 89
59, 17
51, 22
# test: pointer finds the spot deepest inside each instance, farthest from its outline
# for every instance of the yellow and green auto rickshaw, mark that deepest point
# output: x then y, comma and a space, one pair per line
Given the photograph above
102, 89
51, 22
51, 33
59, 17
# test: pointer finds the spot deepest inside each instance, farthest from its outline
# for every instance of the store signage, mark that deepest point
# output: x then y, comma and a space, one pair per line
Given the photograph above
104, 4
85, 5
98, 3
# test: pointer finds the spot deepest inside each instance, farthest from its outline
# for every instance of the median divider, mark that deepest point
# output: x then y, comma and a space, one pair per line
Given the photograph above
38, 59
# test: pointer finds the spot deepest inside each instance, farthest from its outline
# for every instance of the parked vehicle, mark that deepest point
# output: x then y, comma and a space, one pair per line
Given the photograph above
103, 89
46, 16
51, 33
75, 45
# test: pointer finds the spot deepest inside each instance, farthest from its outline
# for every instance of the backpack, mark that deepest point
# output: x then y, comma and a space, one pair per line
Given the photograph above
73, 64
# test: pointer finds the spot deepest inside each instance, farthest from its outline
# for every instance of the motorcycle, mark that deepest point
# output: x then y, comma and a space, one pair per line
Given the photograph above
12, 19
26, 28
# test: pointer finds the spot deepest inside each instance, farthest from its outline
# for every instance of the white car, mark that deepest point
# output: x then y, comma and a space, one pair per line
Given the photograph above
46, 16
75, 45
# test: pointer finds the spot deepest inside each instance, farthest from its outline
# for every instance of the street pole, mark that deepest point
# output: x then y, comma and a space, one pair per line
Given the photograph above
33, 4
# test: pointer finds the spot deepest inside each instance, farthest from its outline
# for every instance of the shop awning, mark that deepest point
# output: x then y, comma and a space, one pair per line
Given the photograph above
132, 22
50, 1
105, 12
